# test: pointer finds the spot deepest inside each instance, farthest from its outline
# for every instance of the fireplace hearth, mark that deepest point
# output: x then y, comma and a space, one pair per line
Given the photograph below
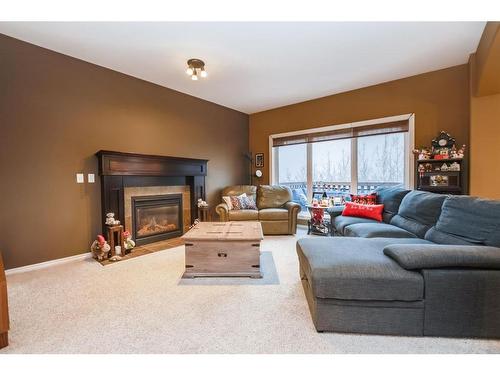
156, 217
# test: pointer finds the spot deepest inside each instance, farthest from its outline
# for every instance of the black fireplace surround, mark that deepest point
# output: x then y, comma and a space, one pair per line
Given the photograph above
119, 170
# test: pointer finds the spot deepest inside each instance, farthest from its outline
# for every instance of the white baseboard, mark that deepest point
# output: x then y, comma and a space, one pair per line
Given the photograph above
49, 263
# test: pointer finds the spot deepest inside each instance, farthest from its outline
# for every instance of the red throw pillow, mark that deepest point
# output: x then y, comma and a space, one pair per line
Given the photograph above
368, 211
364, 198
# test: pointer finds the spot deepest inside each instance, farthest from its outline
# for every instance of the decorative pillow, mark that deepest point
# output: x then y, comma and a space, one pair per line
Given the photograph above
364, 198
247, 203
367, 211
236, 201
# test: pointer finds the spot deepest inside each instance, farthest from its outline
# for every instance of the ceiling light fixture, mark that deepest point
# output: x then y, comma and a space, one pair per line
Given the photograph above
195, 67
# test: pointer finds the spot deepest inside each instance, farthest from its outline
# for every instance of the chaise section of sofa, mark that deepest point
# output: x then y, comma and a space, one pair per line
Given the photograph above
351, 286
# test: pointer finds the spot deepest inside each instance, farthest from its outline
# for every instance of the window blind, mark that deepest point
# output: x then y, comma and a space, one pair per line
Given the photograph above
354, 132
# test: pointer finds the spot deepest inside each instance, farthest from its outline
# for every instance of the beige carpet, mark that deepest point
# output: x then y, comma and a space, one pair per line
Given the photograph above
138, 306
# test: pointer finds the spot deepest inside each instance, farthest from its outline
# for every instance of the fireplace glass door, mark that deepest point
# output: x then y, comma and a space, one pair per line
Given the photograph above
157, 217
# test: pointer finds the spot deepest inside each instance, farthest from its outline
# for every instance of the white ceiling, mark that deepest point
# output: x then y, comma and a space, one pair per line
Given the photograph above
257, 66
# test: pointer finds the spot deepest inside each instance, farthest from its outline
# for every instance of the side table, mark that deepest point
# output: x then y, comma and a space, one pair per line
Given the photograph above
115, 238
318, 224
204, 213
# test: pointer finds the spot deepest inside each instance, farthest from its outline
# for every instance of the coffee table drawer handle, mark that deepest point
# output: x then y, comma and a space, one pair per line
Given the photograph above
222, 255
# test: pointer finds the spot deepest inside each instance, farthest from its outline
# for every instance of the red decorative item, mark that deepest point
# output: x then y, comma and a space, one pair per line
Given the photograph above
101, 239
367, 211
364, 198
317, 216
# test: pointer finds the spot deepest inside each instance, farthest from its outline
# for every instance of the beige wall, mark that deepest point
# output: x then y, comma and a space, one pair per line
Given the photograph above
56, 112
485, 114
485, 146
440, 101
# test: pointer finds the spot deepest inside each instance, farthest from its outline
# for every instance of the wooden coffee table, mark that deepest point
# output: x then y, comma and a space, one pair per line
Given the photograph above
223, 249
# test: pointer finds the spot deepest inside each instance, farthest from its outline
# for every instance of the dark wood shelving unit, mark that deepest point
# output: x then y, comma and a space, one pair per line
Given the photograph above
441, 181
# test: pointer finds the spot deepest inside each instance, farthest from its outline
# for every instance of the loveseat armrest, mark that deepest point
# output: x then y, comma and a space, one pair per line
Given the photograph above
290, 206
335, 211
293, 211
424, 256
223, 211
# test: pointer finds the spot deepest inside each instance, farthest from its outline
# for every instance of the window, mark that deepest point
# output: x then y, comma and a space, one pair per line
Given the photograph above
292, 165
343, 160
292, 170
381, 160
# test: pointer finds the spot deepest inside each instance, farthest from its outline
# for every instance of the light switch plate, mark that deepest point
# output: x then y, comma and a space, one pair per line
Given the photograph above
80, 179
91, 178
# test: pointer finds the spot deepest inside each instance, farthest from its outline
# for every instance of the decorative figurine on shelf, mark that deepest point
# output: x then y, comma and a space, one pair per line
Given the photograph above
202, 203
423, 154
445, 167
110, 219
454, 166
428, 167
442, 153
442, 145
457, 154
128, 243
100, 248
421, 170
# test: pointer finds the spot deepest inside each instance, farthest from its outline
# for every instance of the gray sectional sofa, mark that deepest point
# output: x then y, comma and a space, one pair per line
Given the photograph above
431, 268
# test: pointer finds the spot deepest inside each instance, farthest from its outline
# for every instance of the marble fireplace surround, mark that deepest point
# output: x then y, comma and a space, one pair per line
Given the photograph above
142, 191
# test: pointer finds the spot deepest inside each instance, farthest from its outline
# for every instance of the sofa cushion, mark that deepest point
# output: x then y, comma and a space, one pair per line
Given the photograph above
341, 222
357, 269
242, 215
249, 190
466, 220
391, 198
374, 230
273, 214
418, 212
273, 196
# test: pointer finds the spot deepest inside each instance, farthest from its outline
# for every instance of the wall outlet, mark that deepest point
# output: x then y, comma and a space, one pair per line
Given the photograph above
80, 179
91, 178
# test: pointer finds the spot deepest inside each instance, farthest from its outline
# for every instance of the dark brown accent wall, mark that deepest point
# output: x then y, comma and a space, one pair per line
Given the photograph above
56, 112
439, 99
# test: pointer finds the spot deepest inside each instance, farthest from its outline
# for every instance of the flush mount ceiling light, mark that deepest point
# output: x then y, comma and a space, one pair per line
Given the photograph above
196, 67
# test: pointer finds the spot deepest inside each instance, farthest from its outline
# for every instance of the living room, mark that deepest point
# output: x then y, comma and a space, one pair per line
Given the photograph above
174, 187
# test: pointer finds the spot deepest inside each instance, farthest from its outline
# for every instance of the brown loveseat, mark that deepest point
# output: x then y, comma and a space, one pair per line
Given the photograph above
275, 209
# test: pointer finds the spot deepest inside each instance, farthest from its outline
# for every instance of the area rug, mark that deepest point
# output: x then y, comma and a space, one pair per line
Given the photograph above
267, 268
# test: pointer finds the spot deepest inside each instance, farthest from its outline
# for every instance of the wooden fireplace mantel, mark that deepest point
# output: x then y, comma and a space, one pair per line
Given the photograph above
120, 169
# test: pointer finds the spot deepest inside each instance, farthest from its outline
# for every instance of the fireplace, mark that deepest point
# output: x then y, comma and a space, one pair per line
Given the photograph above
156, 217
125, 175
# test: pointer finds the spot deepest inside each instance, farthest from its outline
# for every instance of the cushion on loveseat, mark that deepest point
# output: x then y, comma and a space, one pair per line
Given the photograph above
357, 269
273, 214
391, 198
466, 220
374, 230
418, 212
273, 196
243, 215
